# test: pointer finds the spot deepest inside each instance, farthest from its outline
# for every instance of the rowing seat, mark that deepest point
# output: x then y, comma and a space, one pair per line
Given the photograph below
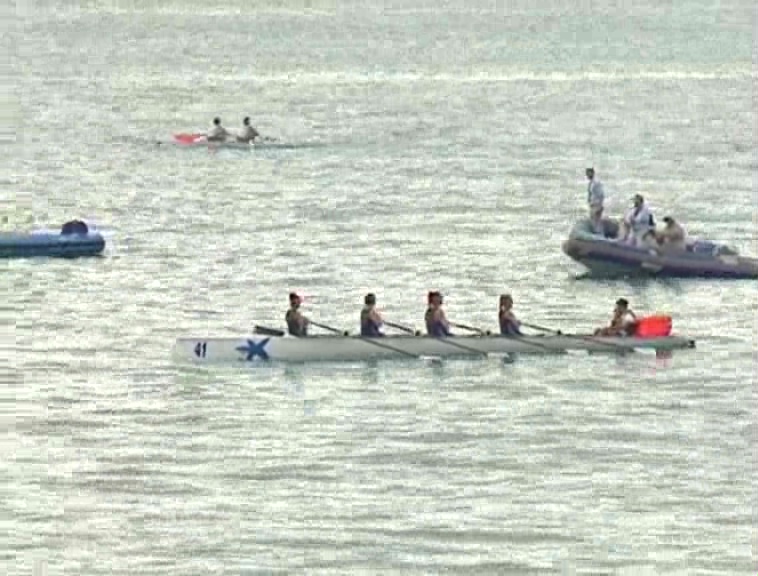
656, 326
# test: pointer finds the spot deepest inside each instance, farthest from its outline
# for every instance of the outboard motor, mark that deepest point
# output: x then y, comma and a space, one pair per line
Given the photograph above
610, 228
74, 227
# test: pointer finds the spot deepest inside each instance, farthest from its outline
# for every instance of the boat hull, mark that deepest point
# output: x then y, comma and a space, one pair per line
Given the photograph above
355, 348
51, 245
199, 141
609, 257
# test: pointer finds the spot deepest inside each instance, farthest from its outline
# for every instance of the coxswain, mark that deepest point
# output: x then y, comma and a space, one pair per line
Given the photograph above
638, 221
509, 324
218, 133
248, 134
595, 200
673, 235
371, 320
297, 324
623, 322
435, 320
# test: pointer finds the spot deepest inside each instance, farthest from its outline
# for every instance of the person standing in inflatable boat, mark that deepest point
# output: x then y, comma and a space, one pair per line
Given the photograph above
595, 200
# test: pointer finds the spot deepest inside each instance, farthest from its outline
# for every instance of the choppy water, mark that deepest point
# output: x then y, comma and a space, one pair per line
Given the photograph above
430, 145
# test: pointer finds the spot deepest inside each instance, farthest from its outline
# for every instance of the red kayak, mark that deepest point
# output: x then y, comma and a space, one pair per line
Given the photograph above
186, 138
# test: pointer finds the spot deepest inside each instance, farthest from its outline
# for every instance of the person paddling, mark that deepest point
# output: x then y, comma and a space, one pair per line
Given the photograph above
297, 324
435, 320
509, 324
218, 133
248, 134
623, 322
371, 320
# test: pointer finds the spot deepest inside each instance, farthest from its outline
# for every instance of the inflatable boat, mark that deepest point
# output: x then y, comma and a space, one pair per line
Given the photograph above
74, 240
605, 255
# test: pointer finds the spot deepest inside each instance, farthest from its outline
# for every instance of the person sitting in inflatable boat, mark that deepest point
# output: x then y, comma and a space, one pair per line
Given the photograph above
74, 227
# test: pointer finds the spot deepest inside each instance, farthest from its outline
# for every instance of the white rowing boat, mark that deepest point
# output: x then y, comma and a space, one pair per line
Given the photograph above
355, 348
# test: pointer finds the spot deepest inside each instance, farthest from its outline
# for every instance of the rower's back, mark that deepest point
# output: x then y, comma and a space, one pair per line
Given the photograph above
295, 327
369, 328
508, 324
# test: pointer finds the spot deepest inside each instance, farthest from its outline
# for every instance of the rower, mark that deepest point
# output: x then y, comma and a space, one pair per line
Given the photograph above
248, 132
623, 323
297, 324
218, 133
509, 324
371, 320
435, 320
595, 199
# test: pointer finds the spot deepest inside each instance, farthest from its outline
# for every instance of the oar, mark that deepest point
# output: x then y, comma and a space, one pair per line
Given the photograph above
470, 329
515, 336
456, 344
402, 328
265, 331
331, 329
542, 329
609, 345
375, 342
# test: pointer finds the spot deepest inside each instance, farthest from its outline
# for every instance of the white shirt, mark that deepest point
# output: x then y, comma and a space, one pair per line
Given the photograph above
638, 221
627, 321
218, 133
595, 193
248, 134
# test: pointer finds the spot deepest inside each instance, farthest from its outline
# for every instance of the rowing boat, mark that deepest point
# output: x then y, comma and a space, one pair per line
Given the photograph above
356, 348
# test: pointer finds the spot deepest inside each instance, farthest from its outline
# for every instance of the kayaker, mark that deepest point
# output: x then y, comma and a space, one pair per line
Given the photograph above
509, 324
673, 235
595, 200
435, 320
218, 133
638, 221
622, 323
297, 324
248, 134
371, 320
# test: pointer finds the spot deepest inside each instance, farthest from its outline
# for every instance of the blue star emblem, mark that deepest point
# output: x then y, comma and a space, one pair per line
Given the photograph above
254, 349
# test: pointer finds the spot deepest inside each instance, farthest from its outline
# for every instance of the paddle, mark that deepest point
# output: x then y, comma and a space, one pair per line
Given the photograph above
375, 342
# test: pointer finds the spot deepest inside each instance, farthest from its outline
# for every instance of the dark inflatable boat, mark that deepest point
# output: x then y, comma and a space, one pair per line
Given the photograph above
74, 240
604, 255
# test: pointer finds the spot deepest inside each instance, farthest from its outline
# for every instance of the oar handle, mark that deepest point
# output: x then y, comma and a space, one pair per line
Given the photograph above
542, 328
330, 328
401, 327
469, 328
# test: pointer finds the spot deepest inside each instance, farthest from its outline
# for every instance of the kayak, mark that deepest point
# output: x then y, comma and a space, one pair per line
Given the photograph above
283, 348
604, 255
190, 140
74, 240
